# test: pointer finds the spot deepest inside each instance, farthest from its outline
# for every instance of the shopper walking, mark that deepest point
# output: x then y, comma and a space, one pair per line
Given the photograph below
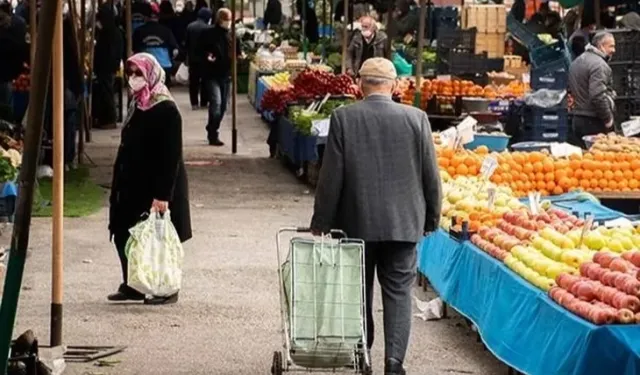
379, 181
109, 50
369, 42
149, 171
215, 44
196, 59
590, 83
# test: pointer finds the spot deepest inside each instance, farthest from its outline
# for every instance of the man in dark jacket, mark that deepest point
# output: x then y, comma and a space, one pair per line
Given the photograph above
369, 42
590, 83
14, 52
273, 13
215, 45
106, 63
389, 198
157, 40
195, 58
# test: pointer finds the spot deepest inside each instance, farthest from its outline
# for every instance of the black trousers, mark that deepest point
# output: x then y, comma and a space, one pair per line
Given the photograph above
120, 240
104, 103
395, 264
583, 125
197, 89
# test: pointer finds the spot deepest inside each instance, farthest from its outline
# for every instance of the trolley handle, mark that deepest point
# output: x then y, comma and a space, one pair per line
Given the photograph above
335, 233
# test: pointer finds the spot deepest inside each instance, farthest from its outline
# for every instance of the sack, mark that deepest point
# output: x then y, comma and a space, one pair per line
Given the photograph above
155, 255
182, 75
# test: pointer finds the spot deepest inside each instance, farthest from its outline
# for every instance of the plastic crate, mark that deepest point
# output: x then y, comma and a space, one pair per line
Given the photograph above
545, 134
626, 78
461, 62
551, 57
457, 38
494, 65
545, 118
494, 142
556, 80
626, 107
530, 146
627, 42
521, 33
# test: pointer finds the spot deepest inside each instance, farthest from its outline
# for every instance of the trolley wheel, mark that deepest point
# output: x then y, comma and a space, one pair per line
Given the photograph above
276, 366
363, 367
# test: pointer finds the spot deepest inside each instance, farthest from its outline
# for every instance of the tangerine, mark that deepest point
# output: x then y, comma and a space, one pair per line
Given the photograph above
462, 169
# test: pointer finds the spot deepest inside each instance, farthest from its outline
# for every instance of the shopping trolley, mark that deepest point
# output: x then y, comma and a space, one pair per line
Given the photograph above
322, 304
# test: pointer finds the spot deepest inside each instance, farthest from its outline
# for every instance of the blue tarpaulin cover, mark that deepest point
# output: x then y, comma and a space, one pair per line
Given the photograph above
518, 322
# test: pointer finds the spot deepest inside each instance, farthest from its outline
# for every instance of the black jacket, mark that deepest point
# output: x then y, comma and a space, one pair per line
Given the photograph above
217, 42
273, 13
14, 51
150, 166
194, 30
156, 39
109, 47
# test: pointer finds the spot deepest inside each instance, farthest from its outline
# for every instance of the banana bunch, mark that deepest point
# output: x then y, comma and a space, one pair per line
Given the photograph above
278, 80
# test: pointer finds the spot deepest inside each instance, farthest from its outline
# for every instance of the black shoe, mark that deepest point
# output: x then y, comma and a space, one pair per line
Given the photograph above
161, 300
195, 108
125, 293
393, 367
216, 142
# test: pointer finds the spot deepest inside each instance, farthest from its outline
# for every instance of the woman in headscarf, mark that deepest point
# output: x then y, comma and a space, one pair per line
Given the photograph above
108, 54
149, 173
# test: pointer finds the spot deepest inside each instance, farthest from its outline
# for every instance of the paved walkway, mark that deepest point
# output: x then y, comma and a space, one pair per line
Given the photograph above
227, 320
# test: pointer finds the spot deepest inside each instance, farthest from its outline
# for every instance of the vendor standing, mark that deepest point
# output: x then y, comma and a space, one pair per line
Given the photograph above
369, 42
590, 83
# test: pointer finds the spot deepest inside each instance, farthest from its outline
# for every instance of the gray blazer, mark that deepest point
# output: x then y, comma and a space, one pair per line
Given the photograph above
379, 179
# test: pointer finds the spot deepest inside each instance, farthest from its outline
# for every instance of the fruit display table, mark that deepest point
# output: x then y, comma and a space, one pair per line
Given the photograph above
261, 87
581, 205
518, 322
297, 147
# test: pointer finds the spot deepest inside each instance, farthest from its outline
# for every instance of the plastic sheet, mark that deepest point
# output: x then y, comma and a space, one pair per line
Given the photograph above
519, 323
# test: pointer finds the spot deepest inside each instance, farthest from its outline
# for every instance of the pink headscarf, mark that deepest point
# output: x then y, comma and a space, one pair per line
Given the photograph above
155, 91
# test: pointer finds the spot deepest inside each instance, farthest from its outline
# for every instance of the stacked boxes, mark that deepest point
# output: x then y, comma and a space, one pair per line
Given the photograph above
546, 124
625, 69
491, 23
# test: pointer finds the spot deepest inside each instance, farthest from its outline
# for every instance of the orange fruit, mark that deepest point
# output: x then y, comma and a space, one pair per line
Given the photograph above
628, 174
443, 162
603, 184
482, 150
597, 155
462, 169
624, 165
635, 164
558, 190
469, 161
564, 182
608, 175
587, 165
457, 160
574, 182
518, 158
547, 166
587, 174
575, 164
496, 178
551, 185
451, 170
549, 176
577, 173
593, 183
448, 153
539, 176
598, 174
613, 185
473, 170
528, 168
636, 174
541, 185
633, 184
624, 184
538, 167
585, 184
618, 175
610, 156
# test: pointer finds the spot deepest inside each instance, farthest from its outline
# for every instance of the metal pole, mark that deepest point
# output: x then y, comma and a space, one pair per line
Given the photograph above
421, 25
345, 37
129, 27
304, 29
390, 28
33, 29
324, 17
83, 68
26, 180
57, 270
94, 12
234, 81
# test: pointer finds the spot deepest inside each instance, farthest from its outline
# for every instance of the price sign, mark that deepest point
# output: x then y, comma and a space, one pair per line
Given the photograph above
534, 202
465, 130
448, 137
631, 127
587, 227
492, 197
489, 165
320, 128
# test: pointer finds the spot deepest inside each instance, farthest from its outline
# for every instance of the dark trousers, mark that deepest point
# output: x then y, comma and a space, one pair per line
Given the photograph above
218, 91
120, 240
168, 72
104, 103
395, 264
583, 125
197, 88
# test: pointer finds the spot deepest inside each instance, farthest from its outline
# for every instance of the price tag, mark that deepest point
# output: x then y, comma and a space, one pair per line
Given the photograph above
465, 129
448, 137
631, 127
587, 227
561, 150
489, 165
534, 202
320, 128
492, 197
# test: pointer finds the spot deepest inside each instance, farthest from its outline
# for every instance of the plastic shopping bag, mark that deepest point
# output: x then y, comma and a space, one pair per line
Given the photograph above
182, 75
155, 255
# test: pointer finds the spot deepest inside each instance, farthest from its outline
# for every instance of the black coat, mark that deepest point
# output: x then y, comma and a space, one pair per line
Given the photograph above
109, 47
217, 42
150, 166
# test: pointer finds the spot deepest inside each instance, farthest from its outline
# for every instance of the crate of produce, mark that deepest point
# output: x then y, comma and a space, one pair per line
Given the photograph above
491, 43
486, 18
626, 78
551, 57
555, 80
494, 142
627, 42
626, 107
457, 38
545, 134
522, 34
459, 62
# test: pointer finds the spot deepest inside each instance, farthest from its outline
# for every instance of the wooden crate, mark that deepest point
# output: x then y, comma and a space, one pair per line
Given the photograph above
486, 18
512, 61
491, 43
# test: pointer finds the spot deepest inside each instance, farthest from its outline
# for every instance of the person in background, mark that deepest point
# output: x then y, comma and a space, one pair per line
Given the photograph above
157, 40
200, 4
139, 13
107, 56
518, 10
14, 53
311, 25
590, 83
215, 46
579, 40
195, 59
369, 42
273, 14
149, 172
389, 199
540, 17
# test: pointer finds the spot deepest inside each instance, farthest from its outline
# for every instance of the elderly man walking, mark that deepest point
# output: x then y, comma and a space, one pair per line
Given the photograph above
590, 83
369, 42
380, 182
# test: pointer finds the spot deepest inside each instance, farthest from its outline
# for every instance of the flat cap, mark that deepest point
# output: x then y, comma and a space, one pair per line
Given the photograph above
378, 67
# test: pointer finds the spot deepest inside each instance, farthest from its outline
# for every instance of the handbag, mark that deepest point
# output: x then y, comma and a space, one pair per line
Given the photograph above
182, 75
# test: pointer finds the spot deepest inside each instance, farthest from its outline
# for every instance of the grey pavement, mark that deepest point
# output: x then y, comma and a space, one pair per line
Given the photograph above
227, 320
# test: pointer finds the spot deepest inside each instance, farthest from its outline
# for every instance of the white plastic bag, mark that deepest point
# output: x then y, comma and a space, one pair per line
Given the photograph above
155, 256
182, 75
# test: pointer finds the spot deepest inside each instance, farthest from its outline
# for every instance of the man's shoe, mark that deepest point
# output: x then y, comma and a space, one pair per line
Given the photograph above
216, 142
393, 367
161, 300
195, 108
125, 293
106, 126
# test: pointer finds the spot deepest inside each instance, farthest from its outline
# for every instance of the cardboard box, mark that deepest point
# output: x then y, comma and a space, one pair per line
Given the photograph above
512, 61
486, 18
492, 43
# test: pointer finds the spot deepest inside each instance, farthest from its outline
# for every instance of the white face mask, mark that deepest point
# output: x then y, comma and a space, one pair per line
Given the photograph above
137, 83
226, 25
367, 33
65, 9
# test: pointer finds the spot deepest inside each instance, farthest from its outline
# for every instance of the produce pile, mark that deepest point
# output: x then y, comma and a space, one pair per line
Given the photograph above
524, 172
302, 118
310, 84
278, 81
594, 273
615, 143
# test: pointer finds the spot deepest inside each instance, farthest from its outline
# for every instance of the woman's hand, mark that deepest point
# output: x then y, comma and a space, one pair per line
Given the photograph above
159, 206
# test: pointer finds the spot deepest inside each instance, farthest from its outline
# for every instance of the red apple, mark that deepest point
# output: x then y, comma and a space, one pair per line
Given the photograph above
600, 316
604, 258
621, 265
608, 278
620, 279
584, 291
635, 258
637, 318
631, 286
626, 316
566, 280
586, 267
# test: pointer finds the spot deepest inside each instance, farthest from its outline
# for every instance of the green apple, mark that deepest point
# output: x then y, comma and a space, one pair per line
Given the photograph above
627, 243
554, 270
595, 240
572, 257
615, 245
574, 236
